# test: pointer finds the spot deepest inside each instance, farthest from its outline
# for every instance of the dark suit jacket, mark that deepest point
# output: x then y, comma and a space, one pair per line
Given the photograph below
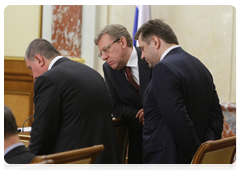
72, 110
19, 155
181, 109
126, 102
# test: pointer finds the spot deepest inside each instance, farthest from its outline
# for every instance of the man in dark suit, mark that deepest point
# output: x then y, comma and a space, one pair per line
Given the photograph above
181, 105
72, 107
14, 151
116, 48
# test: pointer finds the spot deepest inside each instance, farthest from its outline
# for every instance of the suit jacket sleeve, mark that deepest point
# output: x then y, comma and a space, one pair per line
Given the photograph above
215, 124
168, 94
119, 109
46, 117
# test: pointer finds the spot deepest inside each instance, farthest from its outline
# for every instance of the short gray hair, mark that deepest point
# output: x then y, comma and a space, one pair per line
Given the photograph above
42, 47
114, 31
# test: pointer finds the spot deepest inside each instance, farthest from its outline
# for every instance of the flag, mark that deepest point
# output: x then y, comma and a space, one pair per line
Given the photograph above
142, 15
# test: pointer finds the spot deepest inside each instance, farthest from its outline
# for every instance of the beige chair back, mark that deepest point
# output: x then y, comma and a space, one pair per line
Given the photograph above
216, 152
78, 156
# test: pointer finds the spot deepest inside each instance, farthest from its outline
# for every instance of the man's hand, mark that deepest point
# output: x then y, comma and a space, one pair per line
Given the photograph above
140, 115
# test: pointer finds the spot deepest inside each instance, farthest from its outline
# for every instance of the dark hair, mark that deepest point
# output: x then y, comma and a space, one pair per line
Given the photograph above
10, 125
157, 28
42, 47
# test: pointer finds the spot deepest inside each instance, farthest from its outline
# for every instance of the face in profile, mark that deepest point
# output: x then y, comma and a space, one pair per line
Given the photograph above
149, 52
37, 66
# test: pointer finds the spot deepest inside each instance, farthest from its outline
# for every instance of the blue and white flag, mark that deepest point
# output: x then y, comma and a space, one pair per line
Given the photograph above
142, 15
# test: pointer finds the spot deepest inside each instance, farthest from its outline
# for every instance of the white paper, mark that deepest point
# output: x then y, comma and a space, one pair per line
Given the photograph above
26, 129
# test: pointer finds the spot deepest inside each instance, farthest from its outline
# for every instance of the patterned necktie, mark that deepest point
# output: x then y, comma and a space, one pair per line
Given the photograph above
131, 80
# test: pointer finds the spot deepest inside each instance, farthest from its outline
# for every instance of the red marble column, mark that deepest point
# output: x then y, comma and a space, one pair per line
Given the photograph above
66, 29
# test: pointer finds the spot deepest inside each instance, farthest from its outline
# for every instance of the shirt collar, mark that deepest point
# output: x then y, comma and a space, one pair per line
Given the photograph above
12, 147
53, 61
167, 51
132, 62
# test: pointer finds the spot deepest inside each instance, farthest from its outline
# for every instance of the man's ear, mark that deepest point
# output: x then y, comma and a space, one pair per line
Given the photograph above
40, 60
156, 42
123, 42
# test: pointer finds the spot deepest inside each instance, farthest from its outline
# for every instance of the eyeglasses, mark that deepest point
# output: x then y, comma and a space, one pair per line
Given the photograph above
106, 48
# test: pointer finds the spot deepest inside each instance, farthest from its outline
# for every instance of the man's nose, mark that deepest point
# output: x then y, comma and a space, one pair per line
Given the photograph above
104, 56
142, 56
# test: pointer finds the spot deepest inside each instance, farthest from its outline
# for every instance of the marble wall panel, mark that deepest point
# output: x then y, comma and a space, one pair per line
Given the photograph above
66, 29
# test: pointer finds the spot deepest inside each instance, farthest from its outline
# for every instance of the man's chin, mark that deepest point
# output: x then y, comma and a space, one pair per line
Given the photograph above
150, 65
115, 67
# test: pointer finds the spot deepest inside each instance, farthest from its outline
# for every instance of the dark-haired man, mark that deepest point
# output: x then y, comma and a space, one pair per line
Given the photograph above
181, 105
14, 151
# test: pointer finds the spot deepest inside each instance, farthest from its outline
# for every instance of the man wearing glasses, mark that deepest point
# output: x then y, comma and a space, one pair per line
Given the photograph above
127, 77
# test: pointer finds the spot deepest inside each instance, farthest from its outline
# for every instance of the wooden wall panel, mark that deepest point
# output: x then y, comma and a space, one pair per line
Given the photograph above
18, 89
20, 104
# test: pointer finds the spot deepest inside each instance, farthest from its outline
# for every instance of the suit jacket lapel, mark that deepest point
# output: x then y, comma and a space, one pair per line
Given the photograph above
120, 80
125, 82
144, 73
145, 92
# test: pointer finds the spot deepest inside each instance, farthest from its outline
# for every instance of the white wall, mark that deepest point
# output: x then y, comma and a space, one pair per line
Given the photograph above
47, 22
205, 31
21, 26
208, 32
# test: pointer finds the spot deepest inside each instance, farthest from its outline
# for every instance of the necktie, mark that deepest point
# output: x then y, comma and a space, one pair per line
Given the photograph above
130, 79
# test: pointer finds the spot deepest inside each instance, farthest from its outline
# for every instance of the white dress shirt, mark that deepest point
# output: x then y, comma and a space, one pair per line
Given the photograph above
133, 64
12, 147
167, 51
53, 61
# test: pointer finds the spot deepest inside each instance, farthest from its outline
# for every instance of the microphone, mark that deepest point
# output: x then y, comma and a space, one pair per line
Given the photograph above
25, 122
